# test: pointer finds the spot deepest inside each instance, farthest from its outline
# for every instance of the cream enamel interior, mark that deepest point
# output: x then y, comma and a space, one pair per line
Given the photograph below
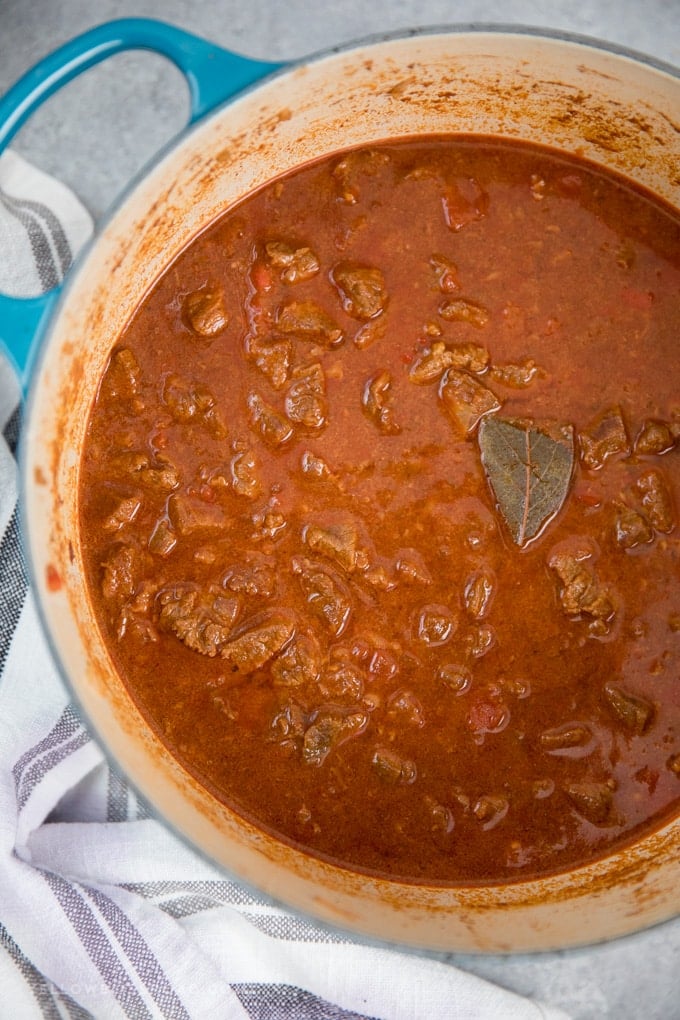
582, 99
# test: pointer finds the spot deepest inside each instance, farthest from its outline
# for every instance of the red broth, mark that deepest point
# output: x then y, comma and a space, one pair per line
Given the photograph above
378, 506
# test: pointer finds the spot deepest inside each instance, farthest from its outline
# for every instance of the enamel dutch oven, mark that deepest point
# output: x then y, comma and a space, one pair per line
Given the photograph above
250, 122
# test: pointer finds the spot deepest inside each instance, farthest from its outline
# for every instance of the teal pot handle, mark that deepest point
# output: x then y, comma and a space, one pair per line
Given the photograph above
213, 75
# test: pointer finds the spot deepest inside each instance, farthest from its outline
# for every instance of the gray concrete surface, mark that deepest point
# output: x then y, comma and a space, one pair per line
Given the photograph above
102, 128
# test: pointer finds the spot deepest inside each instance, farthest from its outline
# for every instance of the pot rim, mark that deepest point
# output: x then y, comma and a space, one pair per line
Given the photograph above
495, 28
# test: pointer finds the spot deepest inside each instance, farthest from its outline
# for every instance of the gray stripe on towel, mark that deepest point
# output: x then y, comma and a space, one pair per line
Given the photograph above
39, 769
13, 584
283, 1002
40, 988
53, 225
220, 892
39, 240
95, 942
66, 725
140, 955
12, 429
116, 797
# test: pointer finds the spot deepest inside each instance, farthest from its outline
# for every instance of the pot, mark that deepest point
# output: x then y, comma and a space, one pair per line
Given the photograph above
613, 107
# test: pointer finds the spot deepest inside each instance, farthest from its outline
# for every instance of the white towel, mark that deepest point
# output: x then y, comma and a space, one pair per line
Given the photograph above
103, 912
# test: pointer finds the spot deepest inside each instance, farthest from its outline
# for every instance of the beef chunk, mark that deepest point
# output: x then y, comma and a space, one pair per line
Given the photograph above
361, 288
568, 739
122, 378
605, 437
655, 512
180, 399
259, 643
135, 612
581, 591
479, 592
455, 677
632, 528
129, 462
634, 713
435, 625
121, 571
329, 729
315, 467
460, 310
341, 682
594, 801
466, 400
404, 706
255, 576
338, 542
370, 332
393, 768
266, 422
377, 404
190, 401
655, 437
161, 475
202, 619
299, 663
349, 171
162, 539
123, 512
296, 263
516, 376
412, 568
469, 356
189, 515
378, 575
308, 321
268, 521
480, 640
305, 401
326, 595
656, 500
204, 313
245, 479
273, 357
490, 809
464, 202
289, 725
446, 272
433, 363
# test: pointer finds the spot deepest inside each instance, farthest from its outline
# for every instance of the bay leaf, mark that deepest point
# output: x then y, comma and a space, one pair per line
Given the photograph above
529, 467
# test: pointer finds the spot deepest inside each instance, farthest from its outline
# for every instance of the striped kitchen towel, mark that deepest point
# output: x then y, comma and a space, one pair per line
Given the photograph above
103, 912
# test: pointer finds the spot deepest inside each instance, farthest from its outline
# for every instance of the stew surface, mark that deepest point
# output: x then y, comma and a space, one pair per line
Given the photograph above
378, 507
